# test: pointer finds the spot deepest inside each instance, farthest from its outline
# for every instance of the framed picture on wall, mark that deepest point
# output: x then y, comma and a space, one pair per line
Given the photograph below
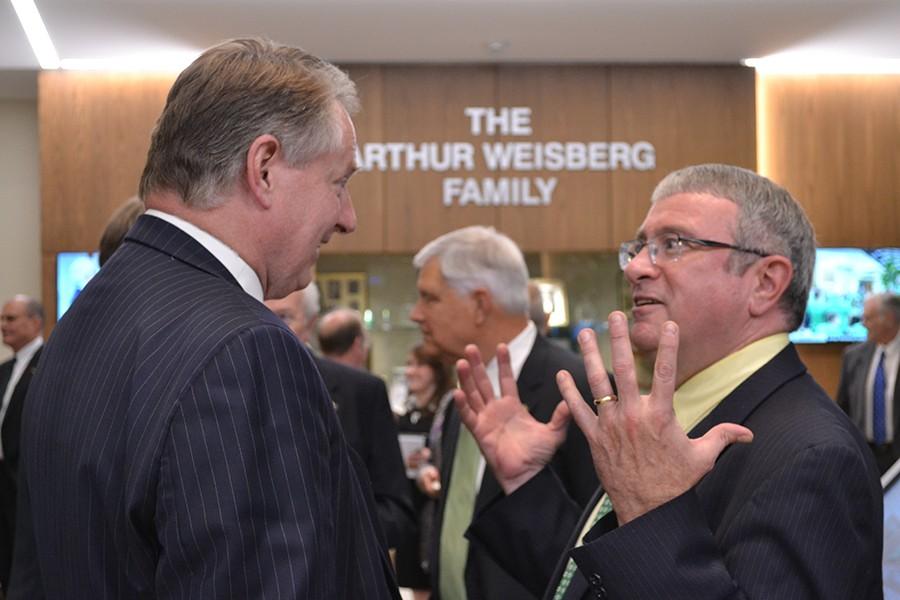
347, 290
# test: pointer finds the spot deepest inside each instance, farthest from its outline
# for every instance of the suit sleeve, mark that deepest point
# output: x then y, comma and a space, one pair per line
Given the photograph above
805, 533
257, 496
524, 543
385, 467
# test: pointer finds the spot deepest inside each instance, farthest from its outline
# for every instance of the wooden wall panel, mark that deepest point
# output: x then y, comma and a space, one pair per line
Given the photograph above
426, 104
691, 114
834, 142
94, 135
568, 104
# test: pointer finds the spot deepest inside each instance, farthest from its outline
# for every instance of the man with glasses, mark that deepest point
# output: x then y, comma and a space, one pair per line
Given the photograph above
720, 272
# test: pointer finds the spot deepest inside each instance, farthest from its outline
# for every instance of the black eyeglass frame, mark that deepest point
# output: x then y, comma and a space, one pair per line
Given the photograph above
629, 250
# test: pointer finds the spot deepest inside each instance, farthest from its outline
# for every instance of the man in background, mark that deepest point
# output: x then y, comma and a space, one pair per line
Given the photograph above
473, 289
343, 339
720, 271
21, 323
365, 414
868, 389
180, 442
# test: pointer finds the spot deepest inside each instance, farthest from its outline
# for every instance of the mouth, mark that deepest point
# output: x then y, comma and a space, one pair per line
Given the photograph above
641, 301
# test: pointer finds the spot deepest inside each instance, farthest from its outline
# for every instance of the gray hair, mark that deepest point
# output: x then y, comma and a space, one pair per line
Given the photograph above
33, 308
769, 220
232, 94
889, 304
481, 257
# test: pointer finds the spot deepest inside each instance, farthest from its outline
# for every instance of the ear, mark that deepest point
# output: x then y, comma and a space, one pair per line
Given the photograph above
265, 151
771, 277
484, 305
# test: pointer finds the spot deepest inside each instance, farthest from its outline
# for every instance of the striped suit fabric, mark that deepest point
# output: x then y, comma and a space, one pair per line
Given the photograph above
179, 443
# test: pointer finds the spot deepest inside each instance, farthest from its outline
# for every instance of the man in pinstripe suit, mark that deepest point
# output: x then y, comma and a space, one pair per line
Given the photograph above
720, 272
179, 442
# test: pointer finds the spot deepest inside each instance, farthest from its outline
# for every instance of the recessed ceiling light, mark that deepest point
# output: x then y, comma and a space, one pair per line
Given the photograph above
497, 46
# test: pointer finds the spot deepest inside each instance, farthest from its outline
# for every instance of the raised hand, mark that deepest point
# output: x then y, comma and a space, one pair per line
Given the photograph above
514, 444
642, 456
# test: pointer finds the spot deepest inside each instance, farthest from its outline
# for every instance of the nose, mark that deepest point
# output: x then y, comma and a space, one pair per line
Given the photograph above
415, 315
347, 217
640, 266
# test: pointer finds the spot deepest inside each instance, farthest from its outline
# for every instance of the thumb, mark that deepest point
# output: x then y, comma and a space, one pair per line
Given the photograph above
560, 418
720, 437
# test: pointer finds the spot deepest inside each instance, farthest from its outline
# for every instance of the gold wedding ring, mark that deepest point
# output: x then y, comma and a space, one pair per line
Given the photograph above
605, 399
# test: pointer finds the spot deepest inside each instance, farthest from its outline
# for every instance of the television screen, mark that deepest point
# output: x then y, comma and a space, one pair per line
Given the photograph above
73, 271
842, 279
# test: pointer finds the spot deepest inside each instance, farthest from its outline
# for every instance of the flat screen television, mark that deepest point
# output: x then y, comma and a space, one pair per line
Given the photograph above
73, 271
842, 279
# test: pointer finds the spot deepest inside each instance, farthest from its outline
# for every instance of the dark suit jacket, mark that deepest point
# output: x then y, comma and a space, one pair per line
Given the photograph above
485, 578
795, 514
12, 424
851, 394
178, 442
368, 424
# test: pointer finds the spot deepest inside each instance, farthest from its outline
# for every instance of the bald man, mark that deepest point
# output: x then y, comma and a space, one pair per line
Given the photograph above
343, 339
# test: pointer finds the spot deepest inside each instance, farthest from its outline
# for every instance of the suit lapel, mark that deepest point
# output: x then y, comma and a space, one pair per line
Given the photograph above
168, 239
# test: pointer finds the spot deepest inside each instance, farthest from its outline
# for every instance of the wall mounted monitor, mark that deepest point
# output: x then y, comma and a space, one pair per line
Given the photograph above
73, 271
842, 279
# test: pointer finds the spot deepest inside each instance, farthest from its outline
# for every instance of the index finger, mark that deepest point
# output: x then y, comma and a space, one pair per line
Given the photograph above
598, 380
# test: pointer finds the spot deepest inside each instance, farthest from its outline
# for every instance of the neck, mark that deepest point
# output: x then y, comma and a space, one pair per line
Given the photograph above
227, 222
501, 329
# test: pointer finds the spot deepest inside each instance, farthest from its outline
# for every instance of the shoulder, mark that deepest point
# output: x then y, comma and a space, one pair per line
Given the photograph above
339, 374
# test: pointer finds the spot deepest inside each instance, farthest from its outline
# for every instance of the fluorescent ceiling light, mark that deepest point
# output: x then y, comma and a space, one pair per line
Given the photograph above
823, 64
156, 61
37, 34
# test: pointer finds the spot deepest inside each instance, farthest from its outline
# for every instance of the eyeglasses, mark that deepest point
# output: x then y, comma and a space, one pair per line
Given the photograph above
669, 247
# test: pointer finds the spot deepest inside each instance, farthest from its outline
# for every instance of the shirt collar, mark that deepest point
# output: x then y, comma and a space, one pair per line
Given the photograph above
27, 351
237, 266
700, 394
519, 349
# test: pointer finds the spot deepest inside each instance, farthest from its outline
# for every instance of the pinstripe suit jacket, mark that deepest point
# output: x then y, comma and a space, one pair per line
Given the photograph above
179, 443
795, 514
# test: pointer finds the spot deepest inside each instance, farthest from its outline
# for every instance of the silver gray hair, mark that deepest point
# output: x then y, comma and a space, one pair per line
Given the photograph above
889, 304
769, 220
481, 257
232, 94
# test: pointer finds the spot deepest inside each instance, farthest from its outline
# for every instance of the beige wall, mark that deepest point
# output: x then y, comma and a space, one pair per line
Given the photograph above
20, 202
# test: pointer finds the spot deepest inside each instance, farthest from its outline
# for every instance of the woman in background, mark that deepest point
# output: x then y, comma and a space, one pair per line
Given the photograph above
429, 383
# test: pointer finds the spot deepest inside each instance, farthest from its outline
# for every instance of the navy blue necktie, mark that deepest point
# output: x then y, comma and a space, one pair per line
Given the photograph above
879, 433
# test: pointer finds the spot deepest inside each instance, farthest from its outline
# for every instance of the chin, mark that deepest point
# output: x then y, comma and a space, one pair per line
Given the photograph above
645, 337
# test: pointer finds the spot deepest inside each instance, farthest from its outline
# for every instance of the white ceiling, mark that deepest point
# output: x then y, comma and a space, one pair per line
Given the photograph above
604, 31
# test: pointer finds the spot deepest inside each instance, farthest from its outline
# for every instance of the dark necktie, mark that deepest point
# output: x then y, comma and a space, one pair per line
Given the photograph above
879, 433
